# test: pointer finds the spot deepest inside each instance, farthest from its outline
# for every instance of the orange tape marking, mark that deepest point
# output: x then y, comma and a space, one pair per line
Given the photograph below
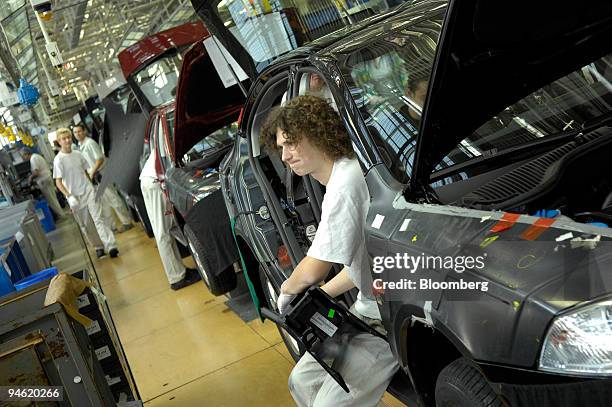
506, 222
539, 226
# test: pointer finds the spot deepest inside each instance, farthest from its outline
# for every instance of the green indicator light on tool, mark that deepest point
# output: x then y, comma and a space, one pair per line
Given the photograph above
331, 313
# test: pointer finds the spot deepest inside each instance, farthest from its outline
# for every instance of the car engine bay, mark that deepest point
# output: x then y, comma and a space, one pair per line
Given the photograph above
573, 178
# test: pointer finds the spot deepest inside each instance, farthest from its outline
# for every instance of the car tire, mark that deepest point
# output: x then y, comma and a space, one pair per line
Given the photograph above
217, 284
460, 384
143, 217
271, 295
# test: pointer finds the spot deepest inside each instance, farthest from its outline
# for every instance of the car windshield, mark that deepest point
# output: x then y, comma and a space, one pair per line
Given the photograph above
211, 143
388, 79
563, 105
158, 81
269, 29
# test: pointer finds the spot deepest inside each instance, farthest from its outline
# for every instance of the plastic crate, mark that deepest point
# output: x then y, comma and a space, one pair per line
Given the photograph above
12, 262
6, 285
36, 278
44, 215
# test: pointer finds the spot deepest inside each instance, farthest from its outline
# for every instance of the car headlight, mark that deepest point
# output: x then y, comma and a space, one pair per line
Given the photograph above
580, 342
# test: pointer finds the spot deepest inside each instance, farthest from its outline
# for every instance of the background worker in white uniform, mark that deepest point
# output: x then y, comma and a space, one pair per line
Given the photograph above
71, 178
41, 174
314, 142
161, 221
110, 198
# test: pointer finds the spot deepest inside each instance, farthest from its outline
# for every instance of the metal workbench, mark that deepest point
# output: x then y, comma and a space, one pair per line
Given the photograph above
42, 346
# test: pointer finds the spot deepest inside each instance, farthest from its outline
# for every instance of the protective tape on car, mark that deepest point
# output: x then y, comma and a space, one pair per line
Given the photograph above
564, 237
427, 311
378, 221
567, 224
404, 226
539, 226
506, 222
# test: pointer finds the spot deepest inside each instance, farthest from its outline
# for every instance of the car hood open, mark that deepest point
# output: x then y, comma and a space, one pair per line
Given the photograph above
493, 53
203, 103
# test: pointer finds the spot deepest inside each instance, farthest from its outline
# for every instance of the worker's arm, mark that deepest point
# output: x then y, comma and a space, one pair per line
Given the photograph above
309, 272
96, 167
338, 285
60, 185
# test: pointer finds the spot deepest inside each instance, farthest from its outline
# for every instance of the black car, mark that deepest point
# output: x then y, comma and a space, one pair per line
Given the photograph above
483, 132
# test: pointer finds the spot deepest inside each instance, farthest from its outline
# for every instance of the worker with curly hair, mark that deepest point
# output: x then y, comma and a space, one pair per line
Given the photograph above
313, 141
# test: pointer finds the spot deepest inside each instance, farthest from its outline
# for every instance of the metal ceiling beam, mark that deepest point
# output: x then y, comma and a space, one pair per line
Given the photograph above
77, 24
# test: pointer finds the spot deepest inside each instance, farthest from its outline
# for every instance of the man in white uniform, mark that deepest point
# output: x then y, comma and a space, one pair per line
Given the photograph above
110, 198
71, 178
41, 174
161, 221
314, 142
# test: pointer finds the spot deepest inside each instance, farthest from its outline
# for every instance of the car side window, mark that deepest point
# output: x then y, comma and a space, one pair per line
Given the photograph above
388, 79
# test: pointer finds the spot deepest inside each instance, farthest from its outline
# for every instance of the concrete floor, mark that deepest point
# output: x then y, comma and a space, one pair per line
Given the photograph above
186, 348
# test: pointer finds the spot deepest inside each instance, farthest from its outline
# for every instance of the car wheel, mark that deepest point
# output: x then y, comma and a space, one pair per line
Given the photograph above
271, 293
460, 384
217, 284
143, 217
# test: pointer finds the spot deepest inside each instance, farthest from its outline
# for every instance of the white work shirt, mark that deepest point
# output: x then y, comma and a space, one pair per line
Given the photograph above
340, 237
38, 163
148, 170
91, 151
71, 169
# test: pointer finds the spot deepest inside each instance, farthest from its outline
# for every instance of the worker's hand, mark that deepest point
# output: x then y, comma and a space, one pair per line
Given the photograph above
72, 201
283, 301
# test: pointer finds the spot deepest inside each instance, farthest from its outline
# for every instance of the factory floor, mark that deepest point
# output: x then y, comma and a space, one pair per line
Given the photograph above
187, 347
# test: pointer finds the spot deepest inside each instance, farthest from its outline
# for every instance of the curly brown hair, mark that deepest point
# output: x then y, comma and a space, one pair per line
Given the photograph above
310, 117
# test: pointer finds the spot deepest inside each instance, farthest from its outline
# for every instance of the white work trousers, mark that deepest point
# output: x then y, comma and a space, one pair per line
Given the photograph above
161, 222
367, 366
47, 187
103, 236
112, 201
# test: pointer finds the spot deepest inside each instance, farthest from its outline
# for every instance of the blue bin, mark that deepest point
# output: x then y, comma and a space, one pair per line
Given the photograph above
36, 278
44, 215
12, 261
6, 285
